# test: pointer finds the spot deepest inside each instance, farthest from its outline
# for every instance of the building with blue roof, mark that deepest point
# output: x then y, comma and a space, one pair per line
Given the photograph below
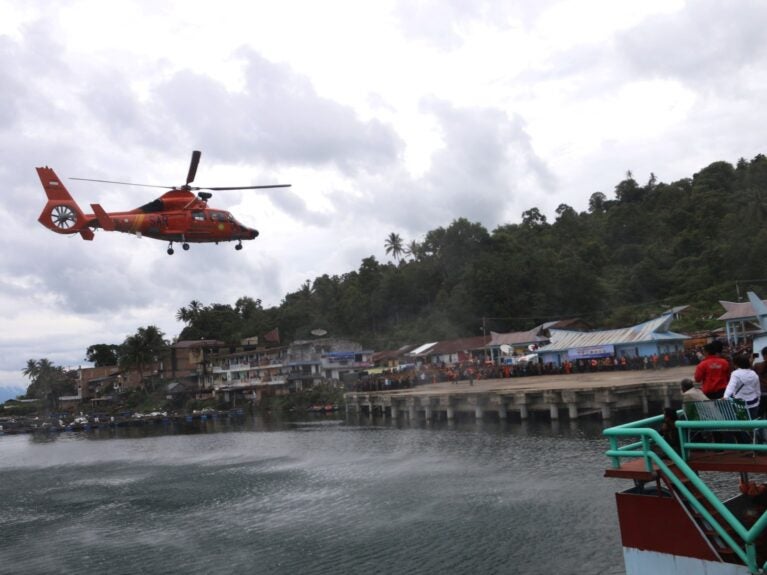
646, 339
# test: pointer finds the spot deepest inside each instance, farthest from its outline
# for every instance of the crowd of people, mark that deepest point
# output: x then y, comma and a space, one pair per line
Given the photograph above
479, 369
741, 376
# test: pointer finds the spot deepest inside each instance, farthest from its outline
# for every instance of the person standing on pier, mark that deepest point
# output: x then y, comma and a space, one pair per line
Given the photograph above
713, 373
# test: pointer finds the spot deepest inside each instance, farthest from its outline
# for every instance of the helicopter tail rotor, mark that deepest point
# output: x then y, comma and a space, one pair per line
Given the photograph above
61, 213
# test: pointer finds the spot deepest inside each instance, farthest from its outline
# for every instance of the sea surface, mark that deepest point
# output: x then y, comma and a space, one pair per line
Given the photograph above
311, 497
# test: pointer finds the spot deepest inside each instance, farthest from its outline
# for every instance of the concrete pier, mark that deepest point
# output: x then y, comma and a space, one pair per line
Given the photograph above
604, 393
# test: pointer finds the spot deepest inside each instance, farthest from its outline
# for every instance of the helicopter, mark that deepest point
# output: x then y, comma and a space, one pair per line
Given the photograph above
179, 215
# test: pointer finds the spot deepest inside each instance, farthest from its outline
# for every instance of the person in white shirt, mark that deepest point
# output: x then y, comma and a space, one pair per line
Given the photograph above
744, 385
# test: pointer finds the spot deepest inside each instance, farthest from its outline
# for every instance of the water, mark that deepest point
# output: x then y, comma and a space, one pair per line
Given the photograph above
311, 497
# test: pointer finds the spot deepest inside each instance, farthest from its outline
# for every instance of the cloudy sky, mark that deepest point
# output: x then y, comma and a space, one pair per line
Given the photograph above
385, 117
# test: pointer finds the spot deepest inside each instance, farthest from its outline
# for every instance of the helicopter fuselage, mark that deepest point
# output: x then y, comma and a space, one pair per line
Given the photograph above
177, 216
194, 225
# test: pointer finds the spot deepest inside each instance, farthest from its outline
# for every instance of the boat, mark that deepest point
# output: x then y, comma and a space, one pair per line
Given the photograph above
694, 504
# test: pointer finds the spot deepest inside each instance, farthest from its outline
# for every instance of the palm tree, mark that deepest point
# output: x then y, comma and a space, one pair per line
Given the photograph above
413, 249
182, 314
190, 314
32, 371
47, 381
393, 245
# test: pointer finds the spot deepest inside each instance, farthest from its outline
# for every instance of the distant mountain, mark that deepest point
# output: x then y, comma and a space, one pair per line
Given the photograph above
10, 393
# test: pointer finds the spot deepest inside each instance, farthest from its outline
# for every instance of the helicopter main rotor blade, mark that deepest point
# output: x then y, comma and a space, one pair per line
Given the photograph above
193, 166
244, 187
123, 183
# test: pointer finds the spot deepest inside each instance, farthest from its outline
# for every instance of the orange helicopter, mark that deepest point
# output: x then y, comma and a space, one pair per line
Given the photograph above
179, 215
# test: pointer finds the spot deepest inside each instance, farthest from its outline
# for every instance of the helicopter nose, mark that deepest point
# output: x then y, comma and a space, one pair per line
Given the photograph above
253, 234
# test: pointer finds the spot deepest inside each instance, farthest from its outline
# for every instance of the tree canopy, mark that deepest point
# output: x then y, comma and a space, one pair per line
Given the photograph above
103, 354
624, 259
48, 381
142, 349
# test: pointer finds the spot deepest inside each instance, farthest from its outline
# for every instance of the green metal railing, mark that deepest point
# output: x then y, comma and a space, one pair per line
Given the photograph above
650, 442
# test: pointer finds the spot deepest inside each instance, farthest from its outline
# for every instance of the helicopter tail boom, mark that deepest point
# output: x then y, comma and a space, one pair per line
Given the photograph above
61, 213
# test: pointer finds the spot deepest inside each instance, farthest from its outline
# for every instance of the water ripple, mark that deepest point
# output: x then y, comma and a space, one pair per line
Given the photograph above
310, 499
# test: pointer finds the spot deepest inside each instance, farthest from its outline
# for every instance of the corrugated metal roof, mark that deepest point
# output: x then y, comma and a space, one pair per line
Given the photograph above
462, 344
675, 310
392, 353
738, 310
423, 348
517, 338
653, 330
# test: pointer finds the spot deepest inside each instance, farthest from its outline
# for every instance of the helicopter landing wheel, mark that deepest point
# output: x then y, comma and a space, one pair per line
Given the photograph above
238, 247
185, 246
170, 249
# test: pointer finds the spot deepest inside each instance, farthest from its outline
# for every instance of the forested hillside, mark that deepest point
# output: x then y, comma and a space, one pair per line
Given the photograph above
625, 259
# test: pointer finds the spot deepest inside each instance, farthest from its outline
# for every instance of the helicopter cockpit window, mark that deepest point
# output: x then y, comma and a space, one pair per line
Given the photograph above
198, 216
221, 216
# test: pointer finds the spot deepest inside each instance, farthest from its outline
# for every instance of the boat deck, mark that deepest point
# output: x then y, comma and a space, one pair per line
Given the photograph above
727, 461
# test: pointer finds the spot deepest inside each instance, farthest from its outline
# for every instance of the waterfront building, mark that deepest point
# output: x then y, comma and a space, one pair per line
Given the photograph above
314, 361
189, 360
504, 347
741, 321
100, 385
248, 371
252, 372
452, 351
391, 360
647, 339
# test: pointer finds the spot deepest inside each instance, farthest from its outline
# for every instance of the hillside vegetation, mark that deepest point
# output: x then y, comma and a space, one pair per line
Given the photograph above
627, 258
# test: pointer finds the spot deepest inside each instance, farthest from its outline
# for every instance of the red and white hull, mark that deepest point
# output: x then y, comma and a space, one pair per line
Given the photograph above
660, 537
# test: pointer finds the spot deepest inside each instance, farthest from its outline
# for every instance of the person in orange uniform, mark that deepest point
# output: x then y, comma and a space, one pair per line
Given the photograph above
713, 372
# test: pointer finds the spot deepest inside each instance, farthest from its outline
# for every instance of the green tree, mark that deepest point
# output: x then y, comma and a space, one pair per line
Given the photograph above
597, 203
48, 381
533, 218
142, 350
413, 249
102, 354
190, 314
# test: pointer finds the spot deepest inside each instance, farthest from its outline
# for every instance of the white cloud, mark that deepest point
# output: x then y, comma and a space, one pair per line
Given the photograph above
387, 116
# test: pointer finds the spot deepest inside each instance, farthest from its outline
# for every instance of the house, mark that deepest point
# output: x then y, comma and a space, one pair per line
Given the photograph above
247, 371
504, 346
453, 351
646, 339
180, 391
255, 372
390, 360
313, 361
740, 319
189, 360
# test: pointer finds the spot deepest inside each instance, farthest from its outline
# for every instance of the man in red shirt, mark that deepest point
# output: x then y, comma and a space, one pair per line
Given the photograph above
713, 372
